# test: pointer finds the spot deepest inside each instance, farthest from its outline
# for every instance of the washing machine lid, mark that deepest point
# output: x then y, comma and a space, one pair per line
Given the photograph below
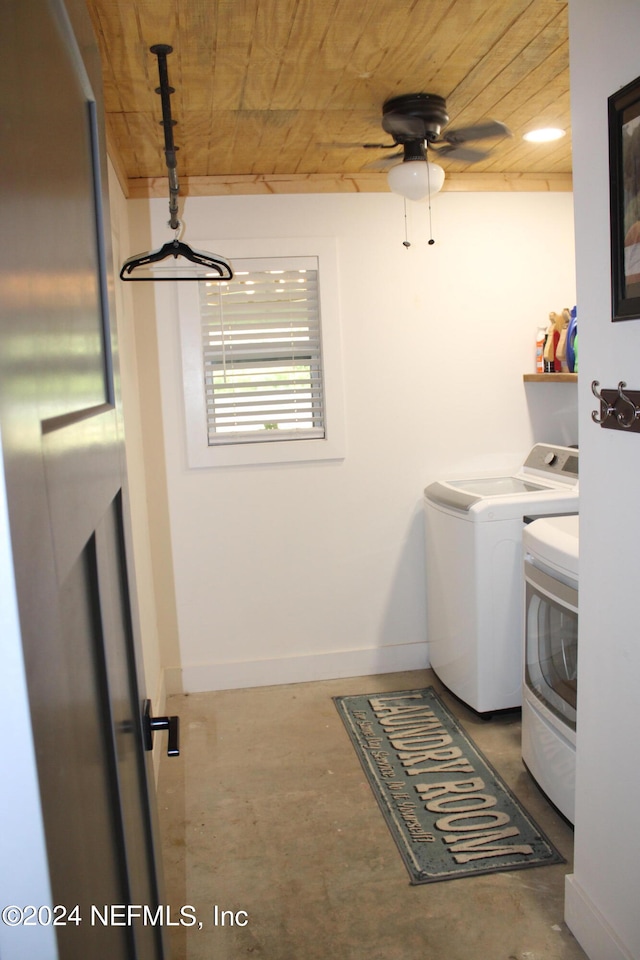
554, 542
464, 494
547, 483
500, 498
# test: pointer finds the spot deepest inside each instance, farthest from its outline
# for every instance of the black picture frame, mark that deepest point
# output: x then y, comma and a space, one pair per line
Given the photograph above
624, 180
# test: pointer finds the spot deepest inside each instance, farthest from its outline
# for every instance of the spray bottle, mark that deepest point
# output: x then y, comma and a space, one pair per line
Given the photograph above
541, 338
572, 342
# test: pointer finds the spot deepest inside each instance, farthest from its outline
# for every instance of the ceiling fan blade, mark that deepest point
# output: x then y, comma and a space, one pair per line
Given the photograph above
464, 154
383, 163
354, 146
399, 125
489, 130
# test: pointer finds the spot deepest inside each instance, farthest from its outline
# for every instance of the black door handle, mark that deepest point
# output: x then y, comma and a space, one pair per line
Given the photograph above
151, 723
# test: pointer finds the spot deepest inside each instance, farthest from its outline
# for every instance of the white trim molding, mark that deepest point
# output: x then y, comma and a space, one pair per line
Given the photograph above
233, 675
332, 446
596, 937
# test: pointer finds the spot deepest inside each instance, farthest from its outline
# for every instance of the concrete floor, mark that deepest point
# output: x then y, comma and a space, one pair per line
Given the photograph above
267, 815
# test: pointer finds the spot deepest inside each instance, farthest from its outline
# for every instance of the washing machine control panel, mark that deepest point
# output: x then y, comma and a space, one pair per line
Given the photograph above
558, 462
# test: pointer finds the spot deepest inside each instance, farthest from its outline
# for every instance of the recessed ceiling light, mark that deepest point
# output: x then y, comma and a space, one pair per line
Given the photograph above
544, 134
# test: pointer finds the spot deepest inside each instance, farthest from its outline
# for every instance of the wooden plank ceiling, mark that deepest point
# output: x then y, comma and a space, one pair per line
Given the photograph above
264, 88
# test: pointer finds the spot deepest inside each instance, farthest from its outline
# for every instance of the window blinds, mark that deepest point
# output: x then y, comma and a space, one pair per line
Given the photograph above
262, 354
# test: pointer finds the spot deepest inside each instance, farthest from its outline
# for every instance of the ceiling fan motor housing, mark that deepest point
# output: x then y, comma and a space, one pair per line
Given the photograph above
415, 116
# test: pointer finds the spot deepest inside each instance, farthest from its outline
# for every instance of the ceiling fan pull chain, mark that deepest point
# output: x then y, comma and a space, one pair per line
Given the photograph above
431, 240
405, 242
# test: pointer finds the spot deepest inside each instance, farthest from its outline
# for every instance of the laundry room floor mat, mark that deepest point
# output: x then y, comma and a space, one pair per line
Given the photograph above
448, 810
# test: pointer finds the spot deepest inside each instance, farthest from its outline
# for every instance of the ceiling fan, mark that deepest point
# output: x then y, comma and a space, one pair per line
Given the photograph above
416, 123
419, 118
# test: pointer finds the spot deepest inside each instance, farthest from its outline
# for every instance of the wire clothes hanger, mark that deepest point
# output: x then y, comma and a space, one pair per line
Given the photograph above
216, 267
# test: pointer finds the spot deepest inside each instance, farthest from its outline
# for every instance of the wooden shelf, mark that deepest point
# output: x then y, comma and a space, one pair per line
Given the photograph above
550, 377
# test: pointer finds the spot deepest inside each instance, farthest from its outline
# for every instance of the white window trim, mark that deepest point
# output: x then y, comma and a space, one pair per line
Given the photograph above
333, 445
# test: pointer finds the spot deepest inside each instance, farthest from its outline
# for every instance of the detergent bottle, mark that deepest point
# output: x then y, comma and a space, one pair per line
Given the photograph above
541, 338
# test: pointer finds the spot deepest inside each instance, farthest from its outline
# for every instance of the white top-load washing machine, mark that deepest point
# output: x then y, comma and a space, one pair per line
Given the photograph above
550, 680
475, 604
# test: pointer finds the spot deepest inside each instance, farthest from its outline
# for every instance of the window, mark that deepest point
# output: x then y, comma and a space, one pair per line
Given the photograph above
261, 356
262, 353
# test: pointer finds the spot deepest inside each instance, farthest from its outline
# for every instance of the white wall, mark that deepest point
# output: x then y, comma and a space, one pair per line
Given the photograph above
302, 571
144, 595
602, 895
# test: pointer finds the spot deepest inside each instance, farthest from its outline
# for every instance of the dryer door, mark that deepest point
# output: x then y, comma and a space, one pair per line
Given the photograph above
551, 661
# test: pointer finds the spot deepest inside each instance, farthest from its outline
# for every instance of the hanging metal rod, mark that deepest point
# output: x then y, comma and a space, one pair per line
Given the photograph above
140, 266
161, 50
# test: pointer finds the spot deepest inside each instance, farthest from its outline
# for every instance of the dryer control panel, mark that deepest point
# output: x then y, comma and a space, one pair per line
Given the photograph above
561, 463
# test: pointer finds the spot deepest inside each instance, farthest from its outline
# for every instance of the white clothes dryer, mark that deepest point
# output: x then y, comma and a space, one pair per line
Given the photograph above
475, 604
550, 679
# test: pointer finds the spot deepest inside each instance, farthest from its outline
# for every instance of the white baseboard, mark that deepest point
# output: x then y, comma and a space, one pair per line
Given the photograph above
321, 666
596, 937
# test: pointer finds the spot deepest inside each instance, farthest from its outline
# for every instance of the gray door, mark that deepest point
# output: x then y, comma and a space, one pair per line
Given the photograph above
63, 460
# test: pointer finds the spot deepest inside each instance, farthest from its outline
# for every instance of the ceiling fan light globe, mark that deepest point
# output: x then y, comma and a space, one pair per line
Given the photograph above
416, 179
